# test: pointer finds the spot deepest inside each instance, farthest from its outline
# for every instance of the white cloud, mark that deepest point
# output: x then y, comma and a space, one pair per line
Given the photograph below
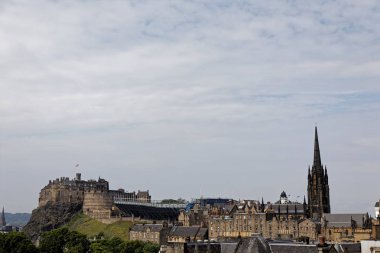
196, 87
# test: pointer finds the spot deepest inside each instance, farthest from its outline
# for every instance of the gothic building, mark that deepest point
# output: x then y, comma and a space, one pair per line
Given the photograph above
318, 185
2, 219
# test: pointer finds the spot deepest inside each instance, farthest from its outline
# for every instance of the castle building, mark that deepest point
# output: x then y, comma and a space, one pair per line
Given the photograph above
318, 185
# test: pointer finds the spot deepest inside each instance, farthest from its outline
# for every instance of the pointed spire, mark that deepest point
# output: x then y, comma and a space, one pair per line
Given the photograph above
317, 154
304, 200
2, 218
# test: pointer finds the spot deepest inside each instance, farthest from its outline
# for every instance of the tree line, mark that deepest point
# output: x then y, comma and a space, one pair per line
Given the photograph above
64, 241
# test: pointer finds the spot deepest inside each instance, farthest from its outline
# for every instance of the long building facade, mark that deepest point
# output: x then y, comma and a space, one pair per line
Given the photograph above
284, 219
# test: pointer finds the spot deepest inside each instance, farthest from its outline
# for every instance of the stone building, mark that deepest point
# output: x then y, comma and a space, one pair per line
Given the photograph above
276, 221
156, 233
309, 230
97, 204
97, 199
346, 227
198, 213
253, 244
66, 190
318, 185
73, 190
183, 234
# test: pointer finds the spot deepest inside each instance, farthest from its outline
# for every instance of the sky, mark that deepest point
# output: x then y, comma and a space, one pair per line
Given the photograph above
190, 98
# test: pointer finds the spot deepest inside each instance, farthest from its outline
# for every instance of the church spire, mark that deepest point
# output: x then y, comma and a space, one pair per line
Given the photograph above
2, 218
318, 188
317, 155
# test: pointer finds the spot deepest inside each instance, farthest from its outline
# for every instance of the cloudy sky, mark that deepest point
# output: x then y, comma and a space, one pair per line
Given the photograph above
190, 98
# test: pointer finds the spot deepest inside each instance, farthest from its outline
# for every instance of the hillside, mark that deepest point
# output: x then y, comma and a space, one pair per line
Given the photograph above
50, 216
17, 219
91, 227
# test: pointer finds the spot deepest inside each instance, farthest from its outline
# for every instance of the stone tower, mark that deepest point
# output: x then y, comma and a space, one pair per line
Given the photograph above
318, 185
2, 219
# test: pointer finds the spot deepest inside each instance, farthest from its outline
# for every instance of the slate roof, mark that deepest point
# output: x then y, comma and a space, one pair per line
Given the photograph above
228, 247
293, 248
144, 227
202, 232
344, 220
256, 244
291, 208
191, 232
350, 247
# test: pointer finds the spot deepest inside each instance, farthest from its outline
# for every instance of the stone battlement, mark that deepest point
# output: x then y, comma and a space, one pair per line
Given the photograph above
95, 196
67, 190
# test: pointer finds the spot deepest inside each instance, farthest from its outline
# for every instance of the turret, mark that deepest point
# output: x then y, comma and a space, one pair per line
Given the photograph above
283, 198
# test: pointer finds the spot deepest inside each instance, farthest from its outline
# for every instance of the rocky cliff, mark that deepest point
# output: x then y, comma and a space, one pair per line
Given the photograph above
50, 216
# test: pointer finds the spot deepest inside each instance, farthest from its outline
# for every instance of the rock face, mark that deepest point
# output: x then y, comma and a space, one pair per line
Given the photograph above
50, 216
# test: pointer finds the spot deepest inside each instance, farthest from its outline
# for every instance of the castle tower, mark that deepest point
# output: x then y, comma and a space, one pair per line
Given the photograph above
2, 219
318, 186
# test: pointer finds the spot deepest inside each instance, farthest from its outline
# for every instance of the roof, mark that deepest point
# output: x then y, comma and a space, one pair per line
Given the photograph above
255, 244
283, 194
144, 227
350, 247
192, 231
309, 220
344, 220
377, 204
148, 212
293, 248
290, 208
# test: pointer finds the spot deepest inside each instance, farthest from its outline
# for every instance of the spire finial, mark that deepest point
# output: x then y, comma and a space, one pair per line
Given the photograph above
317, 154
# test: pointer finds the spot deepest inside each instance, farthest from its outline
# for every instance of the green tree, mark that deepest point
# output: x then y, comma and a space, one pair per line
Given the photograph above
138, 247
16, 242
151, 248
53, 241
76, 243
99, 247
62, 240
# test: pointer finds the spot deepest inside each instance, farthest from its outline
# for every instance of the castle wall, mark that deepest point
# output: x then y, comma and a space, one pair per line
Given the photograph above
97, 204
65, 190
